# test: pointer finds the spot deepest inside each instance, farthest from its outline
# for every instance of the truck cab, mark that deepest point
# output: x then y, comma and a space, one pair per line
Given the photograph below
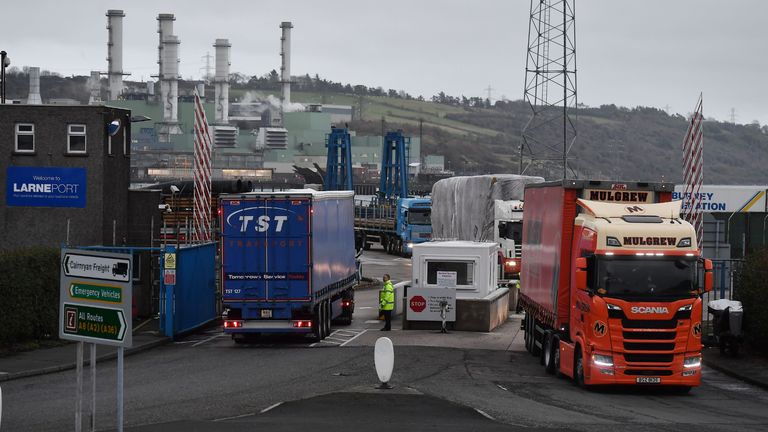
414, 222
636, 310
508, 233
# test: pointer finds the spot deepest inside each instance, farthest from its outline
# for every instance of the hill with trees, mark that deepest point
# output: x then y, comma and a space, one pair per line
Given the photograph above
475, 136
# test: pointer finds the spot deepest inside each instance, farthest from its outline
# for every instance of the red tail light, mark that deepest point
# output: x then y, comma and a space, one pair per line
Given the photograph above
233, 324
302, 323
346, 303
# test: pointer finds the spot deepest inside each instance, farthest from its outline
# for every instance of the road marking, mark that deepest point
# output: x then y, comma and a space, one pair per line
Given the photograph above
365, 307
273, 406
234, 417
207, 340
355, 337
372, 322
484, 414
335, 339
501, 387
186, 342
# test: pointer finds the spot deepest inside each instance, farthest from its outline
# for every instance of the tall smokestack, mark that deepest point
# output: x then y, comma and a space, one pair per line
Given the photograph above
169, 78
94, 87
164, 28
221, 81
285, 68
34, 87
115, 53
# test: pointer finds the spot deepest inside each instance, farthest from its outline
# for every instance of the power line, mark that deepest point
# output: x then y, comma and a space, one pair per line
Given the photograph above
207, 66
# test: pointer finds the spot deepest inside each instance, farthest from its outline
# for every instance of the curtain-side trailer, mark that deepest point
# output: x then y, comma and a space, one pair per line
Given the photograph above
287, 262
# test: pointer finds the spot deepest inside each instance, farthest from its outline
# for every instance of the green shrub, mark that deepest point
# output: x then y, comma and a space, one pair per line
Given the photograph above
752, 291
29, 295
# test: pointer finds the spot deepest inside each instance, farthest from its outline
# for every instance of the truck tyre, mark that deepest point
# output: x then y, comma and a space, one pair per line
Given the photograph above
545, 353
317, 327
535, 350
578, 369
328, 314
552, 360
529, 323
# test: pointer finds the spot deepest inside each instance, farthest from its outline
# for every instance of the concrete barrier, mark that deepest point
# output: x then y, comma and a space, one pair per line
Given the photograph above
480, 315
483, 314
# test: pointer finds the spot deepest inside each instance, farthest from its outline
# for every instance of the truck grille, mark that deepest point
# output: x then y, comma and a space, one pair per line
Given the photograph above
649, 346
647, 372
641, 335
648, 358
648, 324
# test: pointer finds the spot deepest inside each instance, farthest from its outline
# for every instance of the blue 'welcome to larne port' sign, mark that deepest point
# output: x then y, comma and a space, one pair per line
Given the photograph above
45, 187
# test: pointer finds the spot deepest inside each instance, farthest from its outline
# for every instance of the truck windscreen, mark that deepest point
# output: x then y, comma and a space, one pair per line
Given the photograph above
638, 277
420, 217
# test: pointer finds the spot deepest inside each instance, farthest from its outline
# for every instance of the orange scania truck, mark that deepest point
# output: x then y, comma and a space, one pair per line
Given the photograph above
612, 283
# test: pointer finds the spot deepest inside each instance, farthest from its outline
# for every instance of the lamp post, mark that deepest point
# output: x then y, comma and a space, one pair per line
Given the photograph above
5, 61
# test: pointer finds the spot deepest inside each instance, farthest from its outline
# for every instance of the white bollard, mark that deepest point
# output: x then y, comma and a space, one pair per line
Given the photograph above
384, 359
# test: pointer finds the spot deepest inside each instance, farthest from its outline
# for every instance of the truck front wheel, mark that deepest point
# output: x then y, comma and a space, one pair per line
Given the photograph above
578, 369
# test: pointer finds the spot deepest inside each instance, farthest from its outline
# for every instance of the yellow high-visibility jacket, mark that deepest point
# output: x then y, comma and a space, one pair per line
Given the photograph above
387, 296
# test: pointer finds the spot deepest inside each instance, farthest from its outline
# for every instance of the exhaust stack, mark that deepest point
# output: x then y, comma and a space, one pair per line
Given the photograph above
115, 53
94, 87
285, 68
168, 61
34, 87
221, 81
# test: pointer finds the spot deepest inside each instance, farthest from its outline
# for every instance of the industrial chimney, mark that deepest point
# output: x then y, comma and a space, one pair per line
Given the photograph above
169, 79
168, 61
34, 87
164, 28
285, 68
221, 81
94, 87
115, 53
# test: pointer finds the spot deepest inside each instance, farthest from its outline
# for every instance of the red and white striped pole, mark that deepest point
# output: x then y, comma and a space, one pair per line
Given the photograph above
202, 173
693, 172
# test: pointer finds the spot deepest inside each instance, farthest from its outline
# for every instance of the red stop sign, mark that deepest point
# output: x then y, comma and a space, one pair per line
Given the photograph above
418, 303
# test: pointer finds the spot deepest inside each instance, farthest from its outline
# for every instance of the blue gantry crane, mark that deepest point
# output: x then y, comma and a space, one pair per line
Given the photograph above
338, 173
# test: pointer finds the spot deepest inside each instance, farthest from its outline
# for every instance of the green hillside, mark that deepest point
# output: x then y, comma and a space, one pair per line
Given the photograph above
613, 142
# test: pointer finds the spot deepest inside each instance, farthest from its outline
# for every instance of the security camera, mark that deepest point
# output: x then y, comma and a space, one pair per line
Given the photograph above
164, 208
174, 189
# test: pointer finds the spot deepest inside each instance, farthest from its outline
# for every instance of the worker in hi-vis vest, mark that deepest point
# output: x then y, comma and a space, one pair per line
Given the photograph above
387, 302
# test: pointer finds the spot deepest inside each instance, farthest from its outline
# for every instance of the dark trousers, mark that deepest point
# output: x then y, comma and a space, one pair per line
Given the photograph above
387, 319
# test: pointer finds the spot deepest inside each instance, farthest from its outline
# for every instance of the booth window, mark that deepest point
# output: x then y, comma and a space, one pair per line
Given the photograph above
465, 271
25, 137
76, 138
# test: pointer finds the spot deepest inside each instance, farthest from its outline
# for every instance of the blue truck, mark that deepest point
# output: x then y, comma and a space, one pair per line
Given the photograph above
397, 224
287, 262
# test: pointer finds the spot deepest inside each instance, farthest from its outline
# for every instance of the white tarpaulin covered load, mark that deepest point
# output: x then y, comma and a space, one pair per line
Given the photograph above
463, 207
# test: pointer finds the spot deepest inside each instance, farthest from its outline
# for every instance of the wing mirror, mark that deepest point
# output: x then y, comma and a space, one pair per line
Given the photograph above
581, 274
708, 277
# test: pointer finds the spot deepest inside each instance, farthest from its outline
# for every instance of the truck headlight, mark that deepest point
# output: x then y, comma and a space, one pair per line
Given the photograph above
602, 360
410, 245
692, 362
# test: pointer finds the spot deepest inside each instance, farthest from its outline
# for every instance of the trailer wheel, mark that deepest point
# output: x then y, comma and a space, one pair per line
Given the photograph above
545, 353
535, 350
328, 314
530, 324
317, 327
526, 331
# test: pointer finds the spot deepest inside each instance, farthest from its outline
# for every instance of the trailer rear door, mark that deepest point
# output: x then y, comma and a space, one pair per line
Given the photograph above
265, 249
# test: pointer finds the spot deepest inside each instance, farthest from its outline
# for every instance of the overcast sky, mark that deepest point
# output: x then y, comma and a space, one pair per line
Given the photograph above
656, 53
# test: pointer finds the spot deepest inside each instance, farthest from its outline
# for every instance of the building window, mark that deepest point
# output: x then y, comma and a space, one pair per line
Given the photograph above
464, 270
76, 138
25, 137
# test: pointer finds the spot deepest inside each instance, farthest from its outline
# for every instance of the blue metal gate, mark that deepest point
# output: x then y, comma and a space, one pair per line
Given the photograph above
188, 288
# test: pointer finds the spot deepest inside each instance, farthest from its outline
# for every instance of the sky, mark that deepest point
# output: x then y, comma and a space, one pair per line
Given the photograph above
656, 53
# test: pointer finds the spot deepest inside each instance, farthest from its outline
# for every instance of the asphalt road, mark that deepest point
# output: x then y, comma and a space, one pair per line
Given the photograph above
208, 383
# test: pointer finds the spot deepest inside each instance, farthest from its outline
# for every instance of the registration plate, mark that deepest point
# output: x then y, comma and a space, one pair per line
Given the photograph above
266, 313
648, 380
